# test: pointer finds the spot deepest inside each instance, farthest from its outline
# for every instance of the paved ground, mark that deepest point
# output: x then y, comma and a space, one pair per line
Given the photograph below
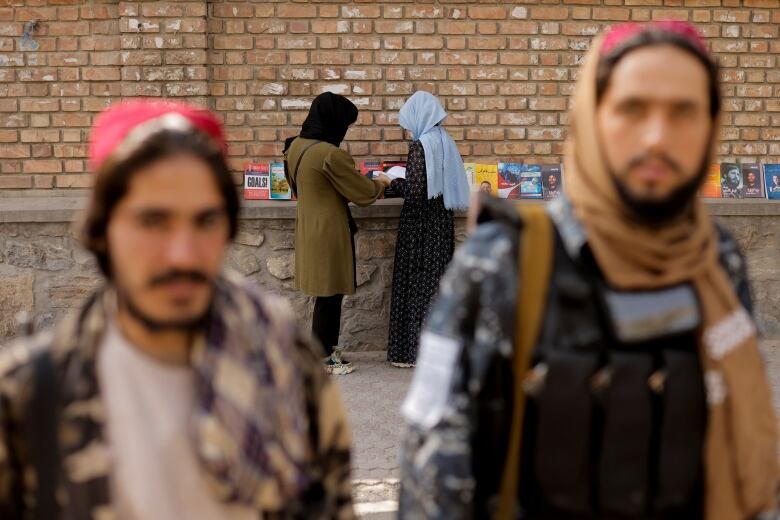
372, 396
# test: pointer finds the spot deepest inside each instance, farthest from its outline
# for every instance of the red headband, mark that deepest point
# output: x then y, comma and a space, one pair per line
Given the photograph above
115, 124
618, 34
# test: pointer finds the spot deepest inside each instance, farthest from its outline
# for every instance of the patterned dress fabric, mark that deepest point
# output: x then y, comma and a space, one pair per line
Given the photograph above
426, 240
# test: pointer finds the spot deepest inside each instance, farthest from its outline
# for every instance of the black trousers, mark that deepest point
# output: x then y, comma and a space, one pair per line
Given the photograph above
326, 322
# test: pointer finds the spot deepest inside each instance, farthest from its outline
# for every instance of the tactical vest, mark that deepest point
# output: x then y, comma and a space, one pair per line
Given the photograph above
616, 410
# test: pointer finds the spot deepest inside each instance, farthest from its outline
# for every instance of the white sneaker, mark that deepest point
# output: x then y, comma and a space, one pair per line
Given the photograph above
336, 366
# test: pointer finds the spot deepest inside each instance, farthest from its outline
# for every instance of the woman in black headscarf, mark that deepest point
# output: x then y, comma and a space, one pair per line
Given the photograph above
324, 180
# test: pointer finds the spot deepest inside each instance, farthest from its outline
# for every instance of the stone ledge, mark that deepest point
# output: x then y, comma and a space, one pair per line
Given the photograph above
69, 208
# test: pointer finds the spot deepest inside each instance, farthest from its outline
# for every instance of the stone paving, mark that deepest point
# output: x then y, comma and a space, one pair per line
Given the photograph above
372, 396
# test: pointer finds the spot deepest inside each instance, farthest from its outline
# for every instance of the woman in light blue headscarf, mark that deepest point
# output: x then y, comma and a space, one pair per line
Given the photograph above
435, 186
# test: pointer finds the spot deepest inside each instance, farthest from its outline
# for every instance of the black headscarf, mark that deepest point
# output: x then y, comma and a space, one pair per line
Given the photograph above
329, 118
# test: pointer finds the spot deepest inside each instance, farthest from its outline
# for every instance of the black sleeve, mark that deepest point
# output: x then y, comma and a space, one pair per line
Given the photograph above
415, 186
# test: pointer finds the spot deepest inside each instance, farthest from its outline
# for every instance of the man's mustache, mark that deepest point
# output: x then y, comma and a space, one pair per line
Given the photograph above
649, 156
177, 275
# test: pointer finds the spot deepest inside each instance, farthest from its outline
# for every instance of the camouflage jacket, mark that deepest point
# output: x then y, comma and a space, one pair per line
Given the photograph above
83, 488
444, 474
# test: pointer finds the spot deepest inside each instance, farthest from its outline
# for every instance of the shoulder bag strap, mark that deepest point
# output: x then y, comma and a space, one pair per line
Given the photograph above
535, 266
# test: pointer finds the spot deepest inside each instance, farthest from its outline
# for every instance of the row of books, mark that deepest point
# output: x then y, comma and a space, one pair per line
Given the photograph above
742, 181
264, 181
530, 181
516, 180
503, 180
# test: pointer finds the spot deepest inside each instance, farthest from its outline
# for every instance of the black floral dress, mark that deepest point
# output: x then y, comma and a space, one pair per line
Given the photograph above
426, 240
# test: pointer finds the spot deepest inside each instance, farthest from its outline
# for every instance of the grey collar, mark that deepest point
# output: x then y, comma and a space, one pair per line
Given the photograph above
569, 227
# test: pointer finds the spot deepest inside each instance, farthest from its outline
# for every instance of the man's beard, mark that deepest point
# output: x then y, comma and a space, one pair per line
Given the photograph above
156, 325
668, 208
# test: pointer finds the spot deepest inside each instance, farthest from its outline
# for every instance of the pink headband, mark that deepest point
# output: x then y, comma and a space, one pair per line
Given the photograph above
618, 34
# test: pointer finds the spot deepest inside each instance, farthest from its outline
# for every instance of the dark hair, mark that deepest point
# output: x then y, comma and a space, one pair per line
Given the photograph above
113, 180
650, 38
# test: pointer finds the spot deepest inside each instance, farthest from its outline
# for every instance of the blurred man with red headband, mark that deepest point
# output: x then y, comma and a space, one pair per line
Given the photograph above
178, 391
598, 359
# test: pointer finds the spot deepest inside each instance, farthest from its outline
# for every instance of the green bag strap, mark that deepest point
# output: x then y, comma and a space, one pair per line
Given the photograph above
535, 266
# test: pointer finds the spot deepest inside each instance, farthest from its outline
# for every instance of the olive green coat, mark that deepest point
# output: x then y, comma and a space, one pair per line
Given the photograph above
325, 182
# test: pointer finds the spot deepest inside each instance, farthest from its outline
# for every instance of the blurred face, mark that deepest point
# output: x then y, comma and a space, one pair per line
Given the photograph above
776, 180
485, 187
751, 178
166, 240
552, 181
654, 122
734, 177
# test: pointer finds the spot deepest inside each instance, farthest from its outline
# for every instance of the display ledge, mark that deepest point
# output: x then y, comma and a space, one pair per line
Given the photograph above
69, 208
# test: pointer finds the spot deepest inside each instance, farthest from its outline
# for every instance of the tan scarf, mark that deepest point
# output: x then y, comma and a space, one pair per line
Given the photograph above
741, 447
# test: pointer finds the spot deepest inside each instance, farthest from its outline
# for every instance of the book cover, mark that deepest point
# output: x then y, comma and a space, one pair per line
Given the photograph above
531, 182
471, 175
509, 176
772, 180
731, 185
754, 186
552, 181
710, 189
486, 178
257, 182
368, 166
390, 193
279, 187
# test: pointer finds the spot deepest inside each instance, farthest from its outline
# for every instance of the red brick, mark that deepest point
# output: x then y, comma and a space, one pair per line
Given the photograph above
670, 14
40, 105
24, 14
68, 28
15, 151
12, 182
295, 11
549, 13
424, 42
40, 151
394, 27
487, 13
233, 42
456, 27
362, 11
519, 28
42, 166
458, 58
157, 9
427, 12
98, 12
611, 13
74, 181
101, 74
330, 26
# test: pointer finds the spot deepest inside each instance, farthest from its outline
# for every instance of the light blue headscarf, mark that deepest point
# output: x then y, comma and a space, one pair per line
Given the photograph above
443, 164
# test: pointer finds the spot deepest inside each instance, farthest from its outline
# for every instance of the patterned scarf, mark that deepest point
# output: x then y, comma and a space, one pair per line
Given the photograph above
250, 423
740, 453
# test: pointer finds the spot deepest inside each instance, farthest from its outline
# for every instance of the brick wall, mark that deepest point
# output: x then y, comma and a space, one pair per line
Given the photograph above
504, 72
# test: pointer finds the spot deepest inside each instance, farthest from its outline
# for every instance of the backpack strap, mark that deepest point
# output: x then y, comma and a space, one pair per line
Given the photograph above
535, 266
42, 419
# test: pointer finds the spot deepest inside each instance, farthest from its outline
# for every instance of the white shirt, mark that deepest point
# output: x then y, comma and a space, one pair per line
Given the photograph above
155, 474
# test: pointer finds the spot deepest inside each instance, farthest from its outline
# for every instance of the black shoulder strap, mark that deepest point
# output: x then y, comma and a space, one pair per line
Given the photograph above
295, 175
292, 180
43, 418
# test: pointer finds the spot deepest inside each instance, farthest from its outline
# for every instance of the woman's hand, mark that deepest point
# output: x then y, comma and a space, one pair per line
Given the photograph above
384, 179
